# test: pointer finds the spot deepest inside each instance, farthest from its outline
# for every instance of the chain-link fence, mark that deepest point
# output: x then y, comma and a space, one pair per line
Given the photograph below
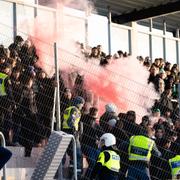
28, 100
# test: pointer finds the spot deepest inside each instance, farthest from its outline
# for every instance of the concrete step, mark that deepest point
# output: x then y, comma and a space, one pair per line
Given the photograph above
20, 167
18, 173
19, 161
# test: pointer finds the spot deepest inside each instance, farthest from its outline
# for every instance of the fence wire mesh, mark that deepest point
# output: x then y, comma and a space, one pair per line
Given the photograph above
26, 107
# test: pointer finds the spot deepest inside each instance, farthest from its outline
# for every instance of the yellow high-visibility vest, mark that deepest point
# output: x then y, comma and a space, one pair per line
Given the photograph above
76, 118
2, 84
175, 166
140, 148
113, 163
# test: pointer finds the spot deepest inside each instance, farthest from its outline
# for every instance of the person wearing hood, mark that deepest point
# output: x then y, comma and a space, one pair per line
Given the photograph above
108, 163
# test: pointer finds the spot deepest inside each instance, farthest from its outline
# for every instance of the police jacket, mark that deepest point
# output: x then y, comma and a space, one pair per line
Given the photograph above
174, 164
141, 148
6, 87
125, 151
71, 118
107, 165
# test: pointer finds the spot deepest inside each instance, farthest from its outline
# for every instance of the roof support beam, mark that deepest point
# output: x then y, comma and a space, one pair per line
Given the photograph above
160, 10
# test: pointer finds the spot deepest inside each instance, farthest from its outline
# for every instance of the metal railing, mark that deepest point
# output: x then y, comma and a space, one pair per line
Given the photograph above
3, 144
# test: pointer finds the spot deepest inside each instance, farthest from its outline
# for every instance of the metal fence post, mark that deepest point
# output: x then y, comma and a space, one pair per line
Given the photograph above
74, 156
3, 144
58, 114
54, 110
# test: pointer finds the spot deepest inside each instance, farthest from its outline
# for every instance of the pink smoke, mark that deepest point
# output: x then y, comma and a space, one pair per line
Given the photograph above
123, 82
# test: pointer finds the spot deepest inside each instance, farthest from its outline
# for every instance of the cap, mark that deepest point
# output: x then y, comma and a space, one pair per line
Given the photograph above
156, 110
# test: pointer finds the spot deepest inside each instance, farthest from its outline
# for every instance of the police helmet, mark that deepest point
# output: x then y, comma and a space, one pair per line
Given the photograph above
108, 139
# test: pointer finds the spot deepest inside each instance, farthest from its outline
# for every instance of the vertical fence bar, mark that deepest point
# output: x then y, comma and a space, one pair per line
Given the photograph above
54, 110
58, 114
75, 157
3, 144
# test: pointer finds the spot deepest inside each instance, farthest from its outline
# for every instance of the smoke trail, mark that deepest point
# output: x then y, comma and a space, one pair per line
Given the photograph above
123, 83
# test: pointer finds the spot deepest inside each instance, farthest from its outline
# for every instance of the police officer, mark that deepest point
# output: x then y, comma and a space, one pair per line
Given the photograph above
108, 163
71, 119
140, 149
6, 99
72, 115
174, 163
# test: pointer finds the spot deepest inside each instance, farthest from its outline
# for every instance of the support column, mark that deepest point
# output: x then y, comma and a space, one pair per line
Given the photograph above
14, 20
35, 9
150, 39
177, 53
164, 40
109, 30
86, 27
133, 35
177, 47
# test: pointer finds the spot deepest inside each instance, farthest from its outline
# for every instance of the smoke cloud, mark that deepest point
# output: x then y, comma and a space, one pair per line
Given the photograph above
123, 82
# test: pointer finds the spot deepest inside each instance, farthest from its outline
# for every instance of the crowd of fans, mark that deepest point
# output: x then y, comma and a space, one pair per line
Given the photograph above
26, 109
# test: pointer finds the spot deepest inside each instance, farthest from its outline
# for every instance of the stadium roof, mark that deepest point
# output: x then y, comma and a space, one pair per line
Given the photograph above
124, 11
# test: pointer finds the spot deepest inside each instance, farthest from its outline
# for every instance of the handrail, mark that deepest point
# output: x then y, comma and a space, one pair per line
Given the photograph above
74, 155
3, 144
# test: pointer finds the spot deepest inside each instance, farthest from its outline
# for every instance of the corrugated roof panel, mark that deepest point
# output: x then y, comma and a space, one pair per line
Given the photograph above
126, 6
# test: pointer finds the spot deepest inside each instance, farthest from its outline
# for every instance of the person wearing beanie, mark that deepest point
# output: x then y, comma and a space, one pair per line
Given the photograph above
110, 113
108, 163
111, 108
112, 123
